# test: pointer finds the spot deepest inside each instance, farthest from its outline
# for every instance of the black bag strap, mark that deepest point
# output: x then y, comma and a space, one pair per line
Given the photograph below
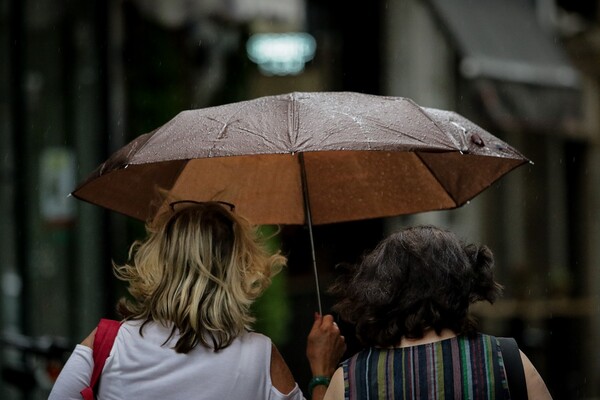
515, 374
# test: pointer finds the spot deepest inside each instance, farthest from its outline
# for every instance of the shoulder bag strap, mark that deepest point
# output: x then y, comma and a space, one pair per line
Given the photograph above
515, 375
103, 342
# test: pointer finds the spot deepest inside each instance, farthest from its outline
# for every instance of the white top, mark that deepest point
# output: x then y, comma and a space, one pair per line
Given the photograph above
145, 368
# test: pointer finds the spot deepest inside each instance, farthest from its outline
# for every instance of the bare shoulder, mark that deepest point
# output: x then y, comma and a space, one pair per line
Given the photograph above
336, 387
281, 376
89, 341
536, 388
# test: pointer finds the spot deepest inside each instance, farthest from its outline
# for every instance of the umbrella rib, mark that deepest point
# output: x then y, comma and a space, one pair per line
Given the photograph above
226, 125
420, 140
220, 135
134, 150
265, 138
292, 120
385, 127
436, 178
333, 132
366, 135
241, 106
452, 139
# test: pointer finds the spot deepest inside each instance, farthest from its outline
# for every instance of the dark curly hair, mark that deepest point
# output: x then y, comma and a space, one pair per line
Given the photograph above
416, 279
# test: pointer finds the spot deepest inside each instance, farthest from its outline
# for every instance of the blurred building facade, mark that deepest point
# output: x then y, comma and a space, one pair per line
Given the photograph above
512, 67
80, 79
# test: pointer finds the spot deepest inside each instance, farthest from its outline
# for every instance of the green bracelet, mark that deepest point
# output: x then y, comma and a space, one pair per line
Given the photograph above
316, 381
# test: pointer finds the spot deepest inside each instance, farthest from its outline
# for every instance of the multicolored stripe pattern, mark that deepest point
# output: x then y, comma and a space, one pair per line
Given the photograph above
463, 367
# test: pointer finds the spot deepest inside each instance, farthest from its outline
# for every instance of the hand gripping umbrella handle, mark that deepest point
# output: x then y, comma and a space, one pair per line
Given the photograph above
310, 230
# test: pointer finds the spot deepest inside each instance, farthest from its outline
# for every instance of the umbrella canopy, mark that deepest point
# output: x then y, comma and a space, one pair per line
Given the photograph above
348, 156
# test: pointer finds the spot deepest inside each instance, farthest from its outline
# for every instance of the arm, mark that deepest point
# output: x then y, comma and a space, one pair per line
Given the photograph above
89, 341
325, 347
281, 376
336, 387
536, 388
76, 373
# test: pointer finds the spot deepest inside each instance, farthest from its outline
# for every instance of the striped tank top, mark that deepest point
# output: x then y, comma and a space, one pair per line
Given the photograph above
463, 367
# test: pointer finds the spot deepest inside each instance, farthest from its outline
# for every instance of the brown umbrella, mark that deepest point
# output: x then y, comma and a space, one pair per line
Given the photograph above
313, 158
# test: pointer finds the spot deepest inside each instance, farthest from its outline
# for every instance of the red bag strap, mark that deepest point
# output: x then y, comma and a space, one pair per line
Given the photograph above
103, 343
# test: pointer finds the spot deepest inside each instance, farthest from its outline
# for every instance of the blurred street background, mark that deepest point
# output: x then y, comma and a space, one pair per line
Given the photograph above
79, 79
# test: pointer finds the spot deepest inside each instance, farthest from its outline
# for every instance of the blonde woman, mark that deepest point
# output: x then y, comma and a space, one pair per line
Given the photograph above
187, 327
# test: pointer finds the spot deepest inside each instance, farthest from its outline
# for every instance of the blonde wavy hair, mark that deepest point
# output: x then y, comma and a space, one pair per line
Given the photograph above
199, 270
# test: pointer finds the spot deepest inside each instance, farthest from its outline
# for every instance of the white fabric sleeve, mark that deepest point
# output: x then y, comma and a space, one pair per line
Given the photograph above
75, 375
295, 394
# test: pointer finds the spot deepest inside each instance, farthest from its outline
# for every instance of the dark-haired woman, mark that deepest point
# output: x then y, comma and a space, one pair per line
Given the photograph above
409, 300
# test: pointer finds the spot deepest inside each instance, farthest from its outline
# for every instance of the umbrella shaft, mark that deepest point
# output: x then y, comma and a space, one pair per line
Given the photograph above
310, 230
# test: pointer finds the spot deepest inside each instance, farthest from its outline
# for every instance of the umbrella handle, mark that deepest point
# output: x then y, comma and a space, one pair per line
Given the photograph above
310, 230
